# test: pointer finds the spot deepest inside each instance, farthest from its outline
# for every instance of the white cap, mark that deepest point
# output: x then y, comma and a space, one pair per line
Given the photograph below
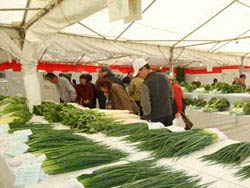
138, 64
170, 76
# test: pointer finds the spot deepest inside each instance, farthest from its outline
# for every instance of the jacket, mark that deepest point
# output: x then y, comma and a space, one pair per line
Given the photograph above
120, 100
134, 88
156, 96
84, 92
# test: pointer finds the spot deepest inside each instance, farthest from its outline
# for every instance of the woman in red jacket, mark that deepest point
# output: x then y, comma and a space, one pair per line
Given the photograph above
84, 91
178, 103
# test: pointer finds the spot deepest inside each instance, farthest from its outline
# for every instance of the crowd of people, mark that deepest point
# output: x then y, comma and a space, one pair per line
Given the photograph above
146, 92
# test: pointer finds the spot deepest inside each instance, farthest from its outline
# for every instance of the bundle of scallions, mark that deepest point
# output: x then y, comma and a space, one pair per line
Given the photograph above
176, 144
232, 154
65, 151
130, 174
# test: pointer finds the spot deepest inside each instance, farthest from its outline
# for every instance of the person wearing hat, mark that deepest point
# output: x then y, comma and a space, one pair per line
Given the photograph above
196, 82
84, 91
105, 72
155, 94
178, 105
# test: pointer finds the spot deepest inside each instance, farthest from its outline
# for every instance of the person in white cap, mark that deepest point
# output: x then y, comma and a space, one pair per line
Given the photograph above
155, 94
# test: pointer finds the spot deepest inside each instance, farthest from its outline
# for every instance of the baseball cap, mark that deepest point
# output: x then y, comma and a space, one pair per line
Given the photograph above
138, 64
104, 68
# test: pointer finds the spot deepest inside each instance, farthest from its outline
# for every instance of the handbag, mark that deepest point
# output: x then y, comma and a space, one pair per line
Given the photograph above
187, 121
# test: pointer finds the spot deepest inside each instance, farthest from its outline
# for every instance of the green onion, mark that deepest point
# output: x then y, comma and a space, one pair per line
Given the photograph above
232, 154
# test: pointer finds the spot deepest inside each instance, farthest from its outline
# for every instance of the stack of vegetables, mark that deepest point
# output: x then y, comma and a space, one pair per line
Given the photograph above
227, 88
216, 104
188, 87
141, 174
14, 109
233, 154
65, 151
89, 121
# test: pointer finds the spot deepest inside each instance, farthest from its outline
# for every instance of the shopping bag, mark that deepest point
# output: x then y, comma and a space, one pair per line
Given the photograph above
187, 121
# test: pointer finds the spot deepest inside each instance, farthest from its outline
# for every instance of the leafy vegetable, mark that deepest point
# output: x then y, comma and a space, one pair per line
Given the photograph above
199, 102
15, 107
246, 108
217, 104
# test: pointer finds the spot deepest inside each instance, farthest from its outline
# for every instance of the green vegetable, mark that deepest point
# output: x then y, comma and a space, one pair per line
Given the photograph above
188, 101
199, 102
172, 144
244, 172
138, 174
15, 107
246, 108
232, 154
169, 180
121, 174
65, 151
217, 104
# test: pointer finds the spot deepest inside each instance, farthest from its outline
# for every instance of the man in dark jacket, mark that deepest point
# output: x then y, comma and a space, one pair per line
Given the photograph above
156, 94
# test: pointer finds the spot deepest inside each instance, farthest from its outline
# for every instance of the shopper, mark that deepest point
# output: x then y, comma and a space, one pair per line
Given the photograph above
126, 80
178, 105
215, 81
117, 97
236, 80
155, 95
64, 88
196, 82
242, 82
105, 72
134, 90
84, 91
89, 79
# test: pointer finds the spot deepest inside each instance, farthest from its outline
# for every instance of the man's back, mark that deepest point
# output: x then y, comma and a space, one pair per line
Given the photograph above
160, 97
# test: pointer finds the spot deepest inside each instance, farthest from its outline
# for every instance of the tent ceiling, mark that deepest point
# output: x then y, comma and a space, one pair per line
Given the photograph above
12, 12
167, 21
208, 25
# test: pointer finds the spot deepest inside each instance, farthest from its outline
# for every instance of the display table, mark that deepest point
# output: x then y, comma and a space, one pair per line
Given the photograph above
220, 176
231, 97
236, 127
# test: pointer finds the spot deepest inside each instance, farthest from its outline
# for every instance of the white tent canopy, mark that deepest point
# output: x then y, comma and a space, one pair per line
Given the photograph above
212, 32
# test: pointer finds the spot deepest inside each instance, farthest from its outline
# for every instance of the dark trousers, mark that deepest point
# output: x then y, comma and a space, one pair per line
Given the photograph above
166, 120
140, 108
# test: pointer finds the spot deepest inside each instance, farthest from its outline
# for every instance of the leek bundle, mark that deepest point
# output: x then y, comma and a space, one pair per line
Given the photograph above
127, 175
177, 144
67, 152
232, 154
168, 180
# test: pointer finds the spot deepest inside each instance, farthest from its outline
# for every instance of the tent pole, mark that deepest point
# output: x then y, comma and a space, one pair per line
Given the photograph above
171, 59
241, 65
